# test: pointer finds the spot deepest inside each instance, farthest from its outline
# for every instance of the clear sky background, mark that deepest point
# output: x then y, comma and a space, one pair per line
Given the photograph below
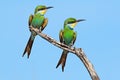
99, 36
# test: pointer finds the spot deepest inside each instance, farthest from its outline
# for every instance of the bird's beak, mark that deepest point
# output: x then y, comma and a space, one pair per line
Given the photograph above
79, 20
49, 7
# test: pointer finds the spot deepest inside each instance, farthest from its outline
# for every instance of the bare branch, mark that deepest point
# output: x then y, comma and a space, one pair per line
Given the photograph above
77, 51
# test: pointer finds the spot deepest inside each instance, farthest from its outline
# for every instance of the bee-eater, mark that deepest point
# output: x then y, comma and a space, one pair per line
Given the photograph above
68, 37
37, 21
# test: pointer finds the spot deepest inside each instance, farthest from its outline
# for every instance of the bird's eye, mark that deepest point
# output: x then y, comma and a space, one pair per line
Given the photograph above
71, 22
41, 9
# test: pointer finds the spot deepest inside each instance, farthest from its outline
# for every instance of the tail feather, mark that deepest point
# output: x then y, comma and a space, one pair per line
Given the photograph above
28, 47
62, 60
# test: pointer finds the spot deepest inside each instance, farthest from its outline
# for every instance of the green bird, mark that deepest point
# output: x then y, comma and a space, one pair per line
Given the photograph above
37, 21
68, 37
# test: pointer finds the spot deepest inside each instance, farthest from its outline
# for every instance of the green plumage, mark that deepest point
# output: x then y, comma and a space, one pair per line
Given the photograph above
68, 37
37, 21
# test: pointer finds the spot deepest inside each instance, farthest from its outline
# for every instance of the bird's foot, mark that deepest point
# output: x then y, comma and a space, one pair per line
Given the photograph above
74, 48
40, 30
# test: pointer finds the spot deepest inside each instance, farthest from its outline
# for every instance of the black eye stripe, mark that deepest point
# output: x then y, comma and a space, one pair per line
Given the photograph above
71, 22
41, 9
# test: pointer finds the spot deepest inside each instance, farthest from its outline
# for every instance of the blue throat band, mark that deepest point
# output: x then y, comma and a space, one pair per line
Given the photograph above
70, 28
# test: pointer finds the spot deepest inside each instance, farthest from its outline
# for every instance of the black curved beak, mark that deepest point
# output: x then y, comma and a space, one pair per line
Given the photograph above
49, 7
79, 20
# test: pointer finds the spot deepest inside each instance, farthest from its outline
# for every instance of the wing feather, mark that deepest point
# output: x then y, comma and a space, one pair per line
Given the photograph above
44, 24
61, 36
30, 19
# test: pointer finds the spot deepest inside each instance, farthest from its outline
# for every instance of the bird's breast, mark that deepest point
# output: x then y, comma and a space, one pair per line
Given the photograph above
68, 37
37, 21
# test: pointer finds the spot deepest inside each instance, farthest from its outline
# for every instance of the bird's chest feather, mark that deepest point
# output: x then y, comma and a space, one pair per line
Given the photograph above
37, 21
68, 36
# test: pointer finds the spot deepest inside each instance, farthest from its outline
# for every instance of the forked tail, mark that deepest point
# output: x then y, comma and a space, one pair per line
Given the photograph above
28, 46
62, 60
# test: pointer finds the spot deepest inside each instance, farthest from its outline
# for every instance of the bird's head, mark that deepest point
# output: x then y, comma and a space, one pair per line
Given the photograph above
71, 22
41, 9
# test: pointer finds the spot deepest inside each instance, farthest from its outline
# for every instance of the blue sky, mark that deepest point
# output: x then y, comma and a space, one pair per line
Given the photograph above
98, 36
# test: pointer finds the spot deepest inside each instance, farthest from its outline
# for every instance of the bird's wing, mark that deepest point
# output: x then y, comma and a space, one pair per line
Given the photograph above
44, 24
74, 37
30, 19
61, 36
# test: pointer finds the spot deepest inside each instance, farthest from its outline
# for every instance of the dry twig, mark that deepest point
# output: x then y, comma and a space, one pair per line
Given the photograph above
77, 51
